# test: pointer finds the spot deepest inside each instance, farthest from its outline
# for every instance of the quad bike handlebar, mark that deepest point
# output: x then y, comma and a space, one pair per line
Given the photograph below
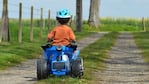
47, 45
72, 44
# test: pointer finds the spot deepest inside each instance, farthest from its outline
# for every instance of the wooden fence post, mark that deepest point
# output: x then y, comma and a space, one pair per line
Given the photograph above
41, 22
1, 32
79, 15
143, 24
20, 24
74, 21
70, 21
31, 25
5, 23
48, 20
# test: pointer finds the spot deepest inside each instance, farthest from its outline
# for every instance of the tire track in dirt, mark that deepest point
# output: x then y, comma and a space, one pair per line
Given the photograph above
125, 65
25, 73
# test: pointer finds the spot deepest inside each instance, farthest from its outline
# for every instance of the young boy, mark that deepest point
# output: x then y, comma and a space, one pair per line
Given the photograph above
62, 34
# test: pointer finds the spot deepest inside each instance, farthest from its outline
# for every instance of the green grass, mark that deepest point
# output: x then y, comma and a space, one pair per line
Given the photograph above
93, 57
122, 24
142, 40
119, 27
12, 54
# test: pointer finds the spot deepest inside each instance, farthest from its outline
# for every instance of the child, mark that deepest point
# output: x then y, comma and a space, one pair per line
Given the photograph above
62, 34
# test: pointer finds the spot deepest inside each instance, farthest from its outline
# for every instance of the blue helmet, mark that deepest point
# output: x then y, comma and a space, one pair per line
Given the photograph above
63, 13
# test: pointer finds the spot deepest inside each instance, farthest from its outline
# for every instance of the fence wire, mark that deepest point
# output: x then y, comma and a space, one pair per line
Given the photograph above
13, 11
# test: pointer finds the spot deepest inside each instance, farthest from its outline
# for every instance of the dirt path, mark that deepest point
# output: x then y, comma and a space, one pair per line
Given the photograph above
126, 65
25, 73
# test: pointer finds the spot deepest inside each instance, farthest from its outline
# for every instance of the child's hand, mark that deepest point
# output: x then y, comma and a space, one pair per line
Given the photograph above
50, 40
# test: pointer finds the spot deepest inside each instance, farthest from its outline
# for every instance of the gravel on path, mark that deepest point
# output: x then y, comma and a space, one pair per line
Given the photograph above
125, 65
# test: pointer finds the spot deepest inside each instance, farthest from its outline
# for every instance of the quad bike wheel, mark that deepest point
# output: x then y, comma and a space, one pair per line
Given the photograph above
42, 69
77, 67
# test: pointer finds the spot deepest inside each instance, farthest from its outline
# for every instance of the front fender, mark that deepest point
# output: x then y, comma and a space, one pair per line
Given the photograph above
76, 54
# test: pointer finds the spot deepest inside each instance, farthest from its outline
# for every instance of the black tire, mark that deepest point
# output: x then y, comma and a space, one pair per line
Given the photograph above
42, 69
77, 67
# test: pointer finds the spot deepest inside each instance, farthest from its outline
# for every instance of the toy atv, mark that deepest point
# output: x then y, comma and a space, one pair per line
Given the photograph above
59, 61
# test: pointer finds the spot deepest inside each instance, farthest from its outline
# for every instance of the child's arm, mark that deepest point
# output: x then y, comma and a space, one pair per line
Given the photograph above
51, 36
72, 36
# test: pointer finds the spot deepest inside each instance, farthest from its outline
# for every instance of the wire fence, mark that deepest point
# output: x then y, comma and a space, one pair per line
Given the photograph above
34, 21
13, 9
22, 18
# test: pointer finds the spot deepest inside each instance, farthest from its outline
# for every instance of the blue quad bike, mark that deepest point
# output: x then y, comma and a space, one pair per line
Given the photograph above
59, 61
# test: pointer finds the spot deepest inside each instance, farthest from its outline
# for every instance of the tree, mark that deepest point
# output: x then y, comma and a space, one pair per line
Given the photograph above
94, 13
4, 29
79, 15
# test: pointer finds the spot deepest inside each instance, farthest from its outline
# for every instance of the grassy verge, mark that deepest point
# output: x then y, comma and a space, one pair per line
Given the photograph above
142, 40
93, 56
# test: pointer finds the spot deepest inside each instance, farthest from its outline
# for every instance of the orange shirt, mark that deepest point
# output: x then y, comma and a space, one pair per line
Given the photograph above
61, 35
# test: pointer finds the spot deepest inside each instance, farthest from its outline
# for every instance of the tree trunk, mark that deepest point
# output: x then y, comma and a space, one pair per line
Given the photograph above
79, 15
94, 13
5, 22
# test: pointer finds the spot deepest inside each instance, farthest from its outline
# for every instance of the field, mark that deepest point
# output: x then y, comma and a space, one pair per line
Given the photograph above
13, 52
123, 24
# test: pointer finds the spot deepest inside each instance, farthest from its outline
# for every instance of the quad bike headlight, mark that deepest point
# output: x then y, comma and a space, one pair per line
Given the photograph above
65, 58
